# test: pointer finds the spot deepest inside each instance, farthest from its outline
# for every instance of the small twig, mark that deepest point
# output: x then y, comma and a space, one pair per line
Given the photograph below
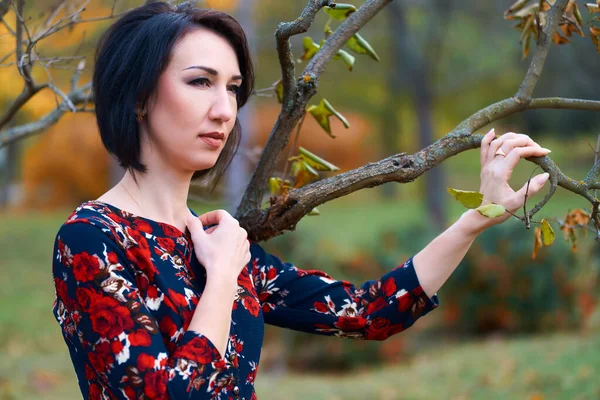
292, 147
596, 158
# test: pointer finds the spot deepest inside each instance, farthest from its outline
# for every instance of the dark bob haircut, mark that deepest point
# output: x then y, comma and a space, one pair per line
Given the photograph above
130, 57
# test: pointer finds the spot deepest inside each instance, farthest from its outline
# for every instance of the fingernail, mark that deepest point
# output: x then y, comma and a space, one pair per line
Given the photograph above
548, 150
491, 132
544, 177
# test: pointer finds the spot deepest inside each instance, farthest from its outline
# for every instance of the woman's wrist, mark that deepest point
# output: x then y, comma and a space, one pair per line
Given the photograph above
472, 224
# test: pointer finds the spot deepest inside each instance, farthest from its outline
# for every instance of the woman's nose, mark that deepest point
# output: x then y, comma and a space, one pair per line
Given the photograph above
223, 106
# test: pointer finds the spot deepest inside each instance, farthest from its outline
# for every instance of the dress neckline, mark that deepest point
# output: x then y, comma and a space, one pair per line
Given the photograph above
135, 216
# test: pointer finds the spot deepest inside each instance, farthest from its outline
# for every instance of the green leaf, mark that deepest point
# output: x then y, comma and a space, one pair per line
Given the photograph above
316, 162
548, 235
467, 198
314, 211
340, 11
359, 45
310, 48
322, 112
346, 57
339, 116
279, 91
275, 185
491, 210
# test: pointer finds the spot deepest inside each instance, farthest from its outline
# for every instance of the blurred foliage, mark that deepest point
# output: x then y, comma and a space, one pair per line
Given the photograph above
75, 170
497, 288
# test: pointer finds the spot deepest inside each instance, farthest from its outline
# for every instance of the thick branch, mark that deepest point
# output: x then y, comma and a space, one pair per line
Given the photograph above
289, 117
81, 96
285, 30
287, 210
541, 51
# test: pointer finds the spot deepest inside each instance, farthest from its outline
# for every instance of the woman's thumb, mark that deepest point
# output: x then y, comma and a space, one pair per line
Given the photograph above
194, 224
535, 185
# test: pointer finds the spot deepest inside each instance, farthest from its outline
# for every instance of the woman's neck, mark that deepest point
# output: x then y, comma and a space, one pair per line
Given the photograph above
160, 197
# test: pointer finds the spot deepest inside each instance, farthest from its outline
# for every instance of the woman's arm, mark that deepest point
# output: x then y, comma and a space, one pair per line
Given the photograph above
116, 344
436, 262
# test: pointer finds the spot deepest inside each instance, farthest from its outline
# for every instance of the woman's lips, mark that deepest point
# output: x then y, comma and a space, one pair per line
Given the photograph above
212, 142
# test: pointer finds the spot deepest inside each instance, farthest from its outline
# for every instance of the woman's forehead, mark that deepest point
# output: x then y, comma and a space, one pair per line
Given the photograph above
206, 48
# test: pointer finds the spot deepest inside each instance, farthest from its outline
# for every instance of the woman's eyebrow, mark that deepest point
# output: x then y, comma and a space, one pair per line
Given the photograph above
212, 71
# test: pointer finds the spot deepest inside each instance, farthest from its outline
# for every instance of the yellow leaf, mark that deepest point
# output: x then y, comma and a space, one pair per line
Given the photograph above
279, 91
310, 48
467, 198
359, 45
340, 11
547, 233
491, 210
316, 162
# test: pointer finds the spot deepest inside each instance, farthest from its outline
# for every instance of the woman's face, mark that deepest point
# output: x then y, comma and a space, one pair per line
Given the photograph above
195, 95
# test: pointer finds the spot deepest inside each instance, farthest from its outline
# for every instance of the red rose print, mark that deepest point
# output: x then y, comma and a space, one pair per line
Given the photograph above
85, 298
376, 305
145, 362
251, 305
116, 347
271, 274
101, 357
113, 258
155, 384
167, 244
140, 338
95, 391
320, 307
389, 287
169, 230
85, 267
168, 326
109, 318
378, 328
351, 323
198, 349
142, 225
404, 302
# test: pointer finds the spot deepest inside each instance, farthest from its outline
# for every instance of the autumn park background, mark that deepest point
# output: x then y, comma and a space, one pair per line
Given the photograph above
509, 325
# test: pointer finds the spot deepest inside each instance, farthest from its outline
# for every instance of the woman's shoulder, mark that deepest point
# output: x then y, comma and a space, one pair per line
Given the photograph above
93, 216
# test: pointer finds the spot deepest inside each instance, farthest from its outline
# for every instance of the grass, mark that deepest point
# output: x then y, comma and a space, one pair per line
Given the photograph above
554, 367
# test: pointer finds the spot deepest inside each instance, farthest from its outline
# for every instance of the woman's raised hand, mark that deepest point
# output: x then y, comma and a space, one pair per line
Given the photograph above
223, 250
498, 160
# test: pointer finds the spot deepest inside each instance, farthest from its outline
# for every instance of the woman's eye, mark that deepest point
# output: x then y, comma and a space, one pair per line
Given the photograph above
235, 89
200, 82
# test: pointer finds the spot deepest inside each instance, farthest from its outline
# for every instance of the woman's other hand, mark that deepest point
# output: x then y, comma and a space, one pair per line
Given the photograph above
496, 170
223, 250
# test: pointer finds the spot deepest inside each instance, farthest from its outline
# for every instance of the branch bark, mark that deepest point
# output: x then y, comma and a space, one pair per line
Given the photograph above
80, 96
541, 51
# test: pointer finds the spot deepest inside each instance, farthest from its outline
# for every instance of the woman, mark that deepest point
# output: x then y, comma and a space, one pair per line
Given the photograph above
152, 310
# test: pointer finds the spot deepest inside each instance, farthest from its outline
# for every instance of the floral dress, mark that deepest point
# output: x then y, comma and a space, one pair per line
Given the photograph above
127, 287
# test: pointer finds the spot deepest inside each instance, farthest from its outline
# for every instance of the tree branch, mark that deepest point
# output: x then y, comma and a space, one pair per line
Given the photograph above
306, 88
80, 96
287, 210
285, 30
541, 51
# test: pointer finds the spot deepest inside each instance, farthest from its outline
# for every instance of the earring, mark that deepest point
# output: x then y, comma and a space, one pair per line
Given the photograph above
139, 115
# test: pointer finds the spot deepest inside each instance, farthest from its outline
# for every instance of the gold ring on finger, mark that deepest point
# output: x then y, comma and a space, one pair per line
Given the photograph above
500, 152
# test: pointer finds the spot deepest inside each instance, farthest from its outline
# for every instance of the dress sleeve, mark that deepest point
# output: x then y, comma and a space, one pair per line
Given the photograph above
115, 342
311, 301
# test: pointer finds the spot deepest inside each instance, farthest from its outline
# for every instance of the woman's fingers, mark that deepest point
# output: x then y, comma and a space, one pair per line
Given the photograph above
485, 143
535, 185
214, 217
521, 141
512, 158
497, 143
